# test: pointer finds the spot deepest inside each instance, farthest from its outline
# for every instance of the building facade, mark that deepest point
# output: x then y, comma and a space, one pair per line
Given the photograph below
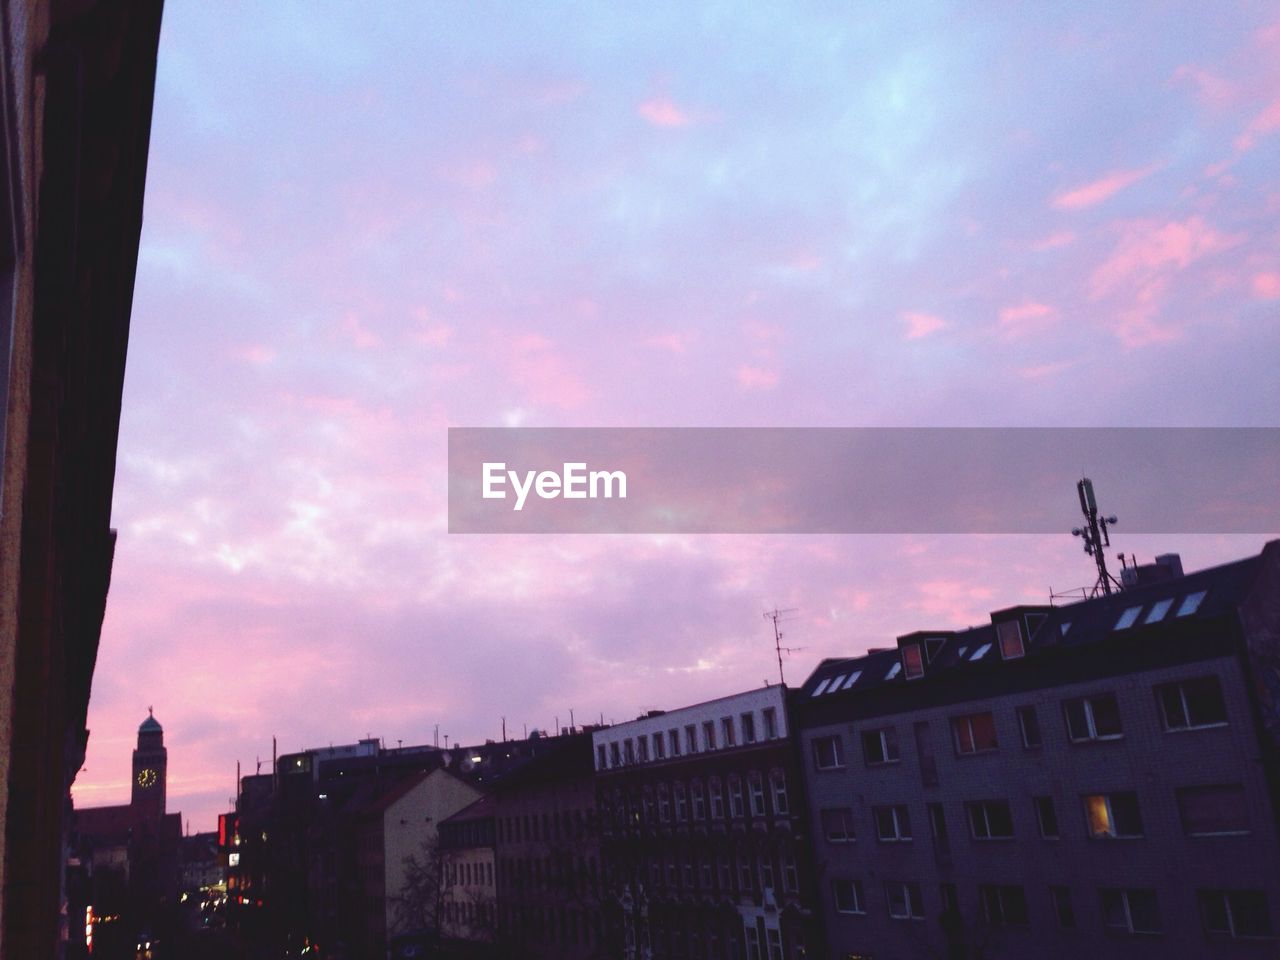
468, 904
1095, 779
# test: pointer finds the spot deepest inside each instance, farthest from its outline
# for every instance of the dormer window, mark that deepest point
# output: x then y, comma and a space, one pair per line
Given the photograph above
913, 660
1128, 618
822, 685
1191, 603
1009, 633
1158, 610
853, 678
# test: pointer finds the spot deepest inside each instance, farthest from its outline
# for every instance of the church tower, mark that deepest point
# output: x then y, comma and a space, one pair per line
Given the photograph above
150, 769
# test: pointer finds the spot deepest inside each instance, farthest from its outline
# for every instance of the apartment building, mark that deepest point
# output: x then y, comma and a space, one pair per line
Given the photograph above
1096, 779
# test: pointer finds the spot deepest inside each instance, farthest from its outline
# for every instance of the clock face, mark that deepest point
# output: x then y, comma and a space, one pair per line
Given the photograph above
147, 777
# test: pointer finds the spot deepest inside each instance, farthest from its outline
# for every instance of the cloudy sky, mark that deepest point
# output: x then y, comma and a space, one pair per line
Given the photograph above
367, 224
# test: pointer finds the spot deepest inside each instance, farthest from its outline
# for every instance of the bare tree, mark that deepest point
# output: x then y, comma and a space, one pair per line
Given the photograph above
418, 904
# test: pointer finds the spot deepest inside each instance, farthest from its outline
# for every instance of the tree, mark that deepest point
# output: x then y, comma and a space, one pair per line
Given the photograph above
418, 904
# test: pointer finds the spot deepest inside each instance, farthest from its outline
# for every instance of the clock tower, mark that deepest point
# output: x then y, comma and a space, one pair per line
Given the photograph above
150, 766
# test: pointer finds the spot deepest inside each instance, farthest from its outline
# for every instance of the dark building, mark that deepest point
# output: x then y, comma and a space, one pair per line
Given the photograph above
705, 838
468, 901
1097, 779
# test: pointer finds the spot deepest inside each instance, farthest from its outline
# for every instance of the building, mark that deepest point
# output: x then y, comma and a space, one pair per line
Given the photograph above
1097, 779
468, 904
704, 832
75, 120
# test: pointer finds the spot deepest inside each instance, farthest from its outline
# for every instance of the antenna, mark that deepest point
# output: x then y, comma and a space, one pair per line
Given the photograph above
781, 616
1095, 536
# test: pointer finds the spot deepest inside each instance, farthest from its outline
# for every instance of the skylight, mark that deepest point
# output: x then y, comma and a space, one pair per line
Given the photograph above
981, 652
1064, 627
1158, 610
853, 678
835, 683
961, 652
894, 670
1128, 618
1191, 603
822, 685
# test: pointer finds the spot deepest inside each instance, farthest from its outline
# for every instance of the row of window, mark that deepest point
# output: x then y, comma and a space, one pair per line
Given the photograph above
723, 874
555, 825
679, 802
1223, 913
468, 874
564, 871
1212, 810
660, 745
1183, 705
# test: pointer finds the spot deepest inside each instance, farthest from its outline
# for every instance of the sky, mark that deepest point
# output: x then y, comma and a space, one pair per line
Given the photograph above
364, 225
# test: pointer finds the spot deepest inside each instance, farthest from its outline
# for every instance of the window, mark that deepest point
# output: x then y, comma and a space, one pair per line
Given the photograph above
774, 936
822, 685
990, 820
642, 745
755, 783
708, 735
629, 751
981, 652
1131, 911
1004, 906
894, 670
1046, 817
837, 824
1029, 724
664, 803
614, 758
766, 873
835, 684
682, 802
974, 733
1009, 633
828, 752
893, 824
790, 875
880, 746
950, 897
913, 660
601, 762
659, 747
1093, 718
699, 800
717, 799
1213, 811
1128, 618
736, 806
781, 803
848, 896
1190, 604
690, 739
753, 942
673, 742
1113, 815
905, 900
938, 822
745, 873
770, 717
1062, 908
1158, 610
853, 678
1235, 913
748, 728
1192, 704
726, 725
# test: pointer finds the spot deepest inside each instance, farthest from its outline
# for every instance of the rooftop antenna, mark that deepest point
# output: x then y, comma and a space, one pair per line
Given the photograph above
778, 617
1095, 536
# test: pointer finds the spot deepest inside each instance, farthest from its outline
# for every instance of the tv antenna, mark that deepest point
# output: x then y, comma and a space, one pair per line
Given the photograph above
779, 617
1095, 536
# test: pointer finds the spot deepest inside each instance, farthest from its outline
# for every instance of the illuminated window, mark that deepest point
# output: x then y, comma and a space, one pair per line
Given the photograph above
853, 678
1009, 633
1192, 704
905, 899
990, 820
1128, 618
848, 895
893, 824
1131, 911
1113, 815
913, 660
974, 733
822, 685
880, 746
835, 683
1235, 913
1190, 604
1218, 810
981, 652
837, 824
1004, 906
828, 753
1093, 718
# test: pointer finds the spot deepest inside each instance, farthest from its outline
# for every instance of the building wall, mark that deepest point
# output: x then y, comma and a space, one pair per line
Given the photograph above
470, 898
1146, 760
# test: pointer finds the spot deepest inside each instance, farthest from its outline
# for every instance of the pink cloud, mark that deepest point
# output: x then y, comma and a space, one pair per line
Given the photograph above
1044, 370
663, 112
757, 378
545, 374
1099, 190
1266, 122
1211, 89
1025, 317
353, 329
921, 324
1053, 241
1266, 286
676, 343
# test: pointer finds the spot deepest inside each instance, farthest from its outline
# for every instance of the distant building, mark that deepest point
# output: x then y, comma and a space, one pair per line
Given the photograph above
705, 840
1098, 779
468, 901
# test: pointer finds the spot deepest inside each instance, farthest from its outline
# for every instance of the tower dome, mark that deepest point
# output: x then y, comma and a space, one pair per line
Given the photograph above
151, 724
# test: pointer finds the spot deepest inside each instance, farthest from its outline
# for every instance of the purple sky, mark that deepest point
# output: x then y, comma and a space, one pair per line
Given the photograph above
363, 227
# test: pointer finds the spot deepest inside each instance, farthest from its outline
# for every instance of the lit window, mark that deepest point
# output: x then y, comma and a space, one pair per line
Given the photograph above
837, 824
1009, 633
1112, 816
848, 896
1217, 810
893, 824
990, 820
880, 746
853, 678
974, 733
822, 685
1192, 704
1093, 718
1004, 906
913, 660
1131, 911
894, 670
1128, 618
1158, 610
905, 900
1029, 725
828, 753
1235, 913
981, 652
1190, 604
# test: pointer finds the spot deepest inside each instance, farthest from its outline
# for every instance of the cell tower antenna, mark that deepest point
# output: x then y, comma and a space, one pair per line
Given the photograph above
779, 617
1096, 536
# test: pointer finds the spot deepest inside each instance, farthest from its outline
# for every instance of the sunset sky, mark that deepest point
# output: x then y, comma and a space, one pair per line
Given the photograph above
365, 224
